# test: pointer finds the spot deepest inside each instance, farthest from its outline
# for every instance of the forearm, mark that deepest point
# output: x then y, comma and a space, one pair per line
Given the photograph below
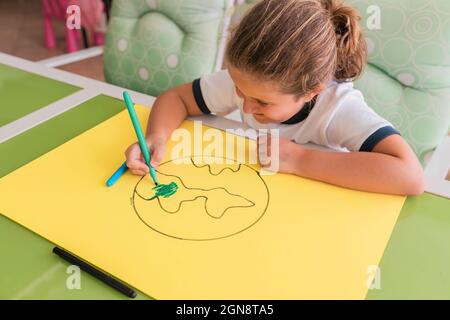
367, 171
167, 113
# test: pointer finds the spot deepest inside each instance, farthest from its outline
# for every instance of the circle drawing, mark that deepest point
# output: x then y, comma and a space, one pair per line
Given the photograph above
212, 202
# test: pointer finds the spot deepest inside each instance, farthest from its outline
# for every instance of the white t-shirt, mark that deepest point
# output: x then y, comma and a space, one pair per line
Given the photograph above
339, 119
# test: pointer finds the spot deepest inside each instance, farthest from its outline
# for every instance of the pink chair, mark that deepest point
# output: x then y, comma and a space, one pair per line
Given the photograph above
56, 10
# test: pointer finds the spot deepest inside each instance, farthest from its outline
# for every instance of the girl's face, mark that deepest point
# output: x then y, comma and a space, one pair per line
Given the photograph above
264, 101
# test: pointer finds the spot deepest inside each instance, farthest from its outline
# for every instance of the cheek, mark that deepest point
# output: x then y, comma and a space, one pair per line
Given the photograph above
277, 113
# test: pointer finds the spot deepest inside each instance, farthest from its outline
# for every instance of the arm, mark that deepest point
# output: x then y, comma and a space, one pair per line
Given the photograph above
168, 112
216, 94
170, 109
391, 167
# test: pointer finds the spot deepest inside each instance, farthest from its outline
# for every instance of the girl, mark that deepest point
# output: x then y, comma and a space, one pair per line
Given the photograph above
290, 66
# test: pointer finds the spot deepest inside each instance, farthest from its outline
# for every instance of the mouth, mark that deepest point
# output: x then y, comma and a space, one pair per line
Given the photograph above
261, 118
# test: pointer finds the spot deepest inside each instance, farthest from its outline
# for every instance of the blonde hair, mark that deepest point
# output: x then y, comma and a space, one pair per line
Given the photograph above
299, 44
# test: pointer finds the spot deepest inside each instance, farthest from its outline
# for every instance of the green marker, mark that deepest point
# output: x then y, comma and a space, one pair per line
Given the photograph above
140, 135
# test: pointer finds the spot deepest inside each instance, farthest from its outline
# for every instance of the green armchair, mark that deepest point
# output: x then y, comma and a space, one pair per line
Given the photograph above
407, 80
153, 45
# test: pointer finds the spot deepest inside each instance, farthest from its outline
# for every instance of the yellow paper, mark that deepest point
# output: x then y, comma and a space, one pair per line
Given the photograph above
229, 234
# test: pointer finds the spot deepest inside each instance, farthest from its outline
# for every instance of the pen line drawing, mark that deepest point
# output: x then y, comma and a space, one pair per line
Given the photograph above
249, 202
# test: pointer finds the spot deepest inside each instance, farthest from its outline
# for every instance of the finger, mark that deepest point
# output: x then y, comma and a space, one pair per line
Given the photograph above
157, 155
136, 165
262, 138
143, 168
264, 161
132, 164
138, 172
264, 142
133, 152
263, 150
263, 158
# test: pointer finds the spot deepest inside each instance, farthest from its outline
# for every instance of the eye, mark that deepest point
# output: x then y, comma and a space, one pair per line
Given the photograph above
263, 104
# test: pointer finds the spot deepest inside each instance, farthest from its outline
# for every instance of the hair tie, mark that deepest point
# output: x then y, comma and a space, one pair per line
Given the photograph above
342, 29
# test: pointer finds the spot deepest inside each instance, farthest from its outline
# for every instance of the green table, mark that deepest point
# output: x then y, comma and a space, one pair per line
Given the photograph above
415, 263
28, 268
23, 92
33, 271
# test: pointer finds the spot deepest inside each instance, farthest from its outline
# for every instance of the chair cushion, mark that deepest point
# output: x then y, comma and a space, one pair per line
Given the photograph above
154, 45
407, 80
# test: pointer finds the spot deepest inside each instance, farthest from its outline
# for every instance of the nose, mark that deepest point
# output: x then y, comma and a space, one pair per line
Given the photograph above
249, 107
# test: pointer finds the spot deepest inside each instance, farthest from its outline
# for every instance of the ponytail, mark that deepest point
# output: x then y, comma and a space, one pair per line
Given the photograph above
350, 42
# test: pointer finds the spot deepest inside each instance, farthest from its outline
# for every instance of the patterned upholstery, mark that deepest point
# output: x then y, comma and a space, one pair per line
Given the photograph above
153, 45
407, 80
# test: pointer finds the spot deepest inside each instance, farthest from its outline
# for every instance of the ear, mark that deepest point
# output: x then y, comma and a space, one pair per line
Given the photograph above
314, 92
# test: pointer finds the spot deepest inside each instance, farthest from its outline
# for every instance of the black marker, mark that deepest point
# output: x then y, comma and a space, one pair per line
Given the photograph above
95, 272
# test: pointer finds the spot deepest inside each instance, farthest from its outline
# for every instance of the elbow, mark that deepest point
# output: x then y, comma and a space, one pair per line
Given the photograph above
416, 183
416, 189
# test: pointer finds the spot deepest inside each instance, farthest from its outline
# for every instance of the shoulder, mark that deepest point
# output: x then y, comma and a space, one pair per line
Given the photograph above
351, 122
221, 77
215, 92
341, 101
334, 103
338, 94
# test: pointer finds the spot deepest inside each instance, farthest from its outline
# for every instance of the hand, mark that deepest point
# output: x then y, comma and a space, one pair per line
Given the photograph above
135, 159
289, 155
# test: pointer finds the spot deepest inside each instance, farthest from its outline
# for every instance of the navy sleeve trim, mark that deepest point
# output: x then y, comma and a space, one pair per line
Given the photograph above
198, 96
376, 137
